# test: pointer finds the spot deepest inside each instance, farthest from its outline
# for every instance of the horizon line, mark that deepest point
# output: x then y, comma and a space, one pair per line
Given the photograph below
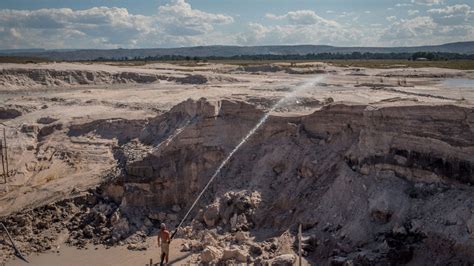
231, 45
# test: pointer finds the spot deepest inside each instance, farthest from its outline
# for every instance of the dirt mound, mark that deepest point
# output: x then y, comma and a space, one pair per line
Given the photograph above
261, 68
21, 77
192, 79
276, 68
52, 77
11, 111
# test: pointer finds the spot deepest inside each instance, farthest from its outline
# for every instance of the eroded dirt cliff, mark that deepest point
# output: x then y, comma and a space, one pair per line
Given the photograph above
371, 185
378, 185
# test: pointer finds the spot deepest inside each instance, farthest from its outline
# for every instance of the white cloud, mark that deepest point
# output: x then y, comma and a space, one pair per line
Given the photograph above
428, 2
452, 15
303, 17
178, 18
403, 5
409, 29
301, 27
391, 18
346, 14
439, 25
176, 23
258, 34
99, 24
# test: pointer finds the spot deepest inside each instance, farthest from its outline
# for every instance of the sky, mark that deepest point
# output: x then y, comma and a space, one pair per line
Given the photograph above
104, 24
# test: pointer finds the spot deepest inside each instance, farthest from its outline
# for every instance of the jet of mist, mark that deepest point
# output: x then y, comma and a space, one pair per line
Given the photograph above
305, 86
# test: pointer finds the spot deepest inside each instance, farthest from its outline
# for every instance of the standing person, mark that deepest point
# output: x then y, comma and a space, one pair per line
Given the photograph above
164, 242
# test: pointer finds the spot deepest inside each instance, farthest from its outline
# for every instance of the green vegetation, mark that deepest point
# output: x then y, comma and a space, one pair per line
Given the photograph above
367, 60
451, 64
356, 59
428, 56
21, 59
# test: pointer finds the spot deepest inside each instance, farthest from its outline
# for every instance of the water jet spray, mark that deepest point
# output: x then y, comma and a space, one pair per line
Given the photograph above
304, 86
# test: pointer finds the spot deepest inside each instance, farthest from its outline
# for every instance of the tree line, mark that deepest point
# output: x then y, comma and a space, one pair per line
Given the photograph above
430, 56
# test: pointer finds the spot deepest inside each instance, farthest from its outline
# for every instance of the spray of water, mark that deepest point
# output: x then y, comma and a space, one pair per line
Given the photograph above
298, 89
167, 141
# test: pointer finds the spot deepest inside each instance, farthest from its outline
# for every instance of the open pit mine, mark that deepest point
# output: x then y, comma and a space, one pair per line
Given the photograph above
266, 164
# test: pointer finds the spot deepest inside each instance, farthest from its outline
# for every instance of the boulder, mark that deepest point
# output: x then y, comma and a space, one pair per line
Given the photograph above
235, 254
46, 120
176, 208
114, 218
255, 249
241, 236
161, 216
49, 129
285, 259
172, 217
210, 254
209, 239
211, 215
147, 222
121, 228
278, 169
242, 220
88, 231
233, 221
186, 247
29, 128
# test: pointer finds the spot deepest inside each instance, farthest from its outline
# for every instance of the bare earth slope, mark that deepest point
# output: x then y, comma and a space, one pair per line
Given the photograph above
377, 165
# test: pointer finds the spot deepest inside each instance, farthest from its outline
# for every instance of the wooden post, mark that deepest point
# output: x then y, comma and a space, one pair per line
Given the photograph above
3, 163
6, 149
299, 244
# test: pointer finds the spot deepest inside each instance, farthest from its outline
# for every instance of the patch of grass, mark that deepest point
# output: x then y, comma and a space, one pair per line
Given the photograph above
22, 60
384, 64
263, 62
451, 64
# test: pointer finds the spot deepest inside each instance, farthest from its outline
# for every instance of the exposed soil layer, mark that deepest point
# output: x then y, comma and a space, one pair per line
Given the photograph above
54, 78
367, 184
380, 182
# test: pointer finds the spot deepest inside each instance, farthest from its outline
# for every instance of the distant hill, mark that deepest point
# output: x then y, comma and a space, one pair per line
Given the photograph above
228, 51
16, 51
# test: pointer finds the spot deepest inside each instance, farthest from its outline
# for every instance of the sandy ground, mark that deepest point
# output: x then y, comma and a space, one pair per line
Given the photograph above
107, 257
112, 256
